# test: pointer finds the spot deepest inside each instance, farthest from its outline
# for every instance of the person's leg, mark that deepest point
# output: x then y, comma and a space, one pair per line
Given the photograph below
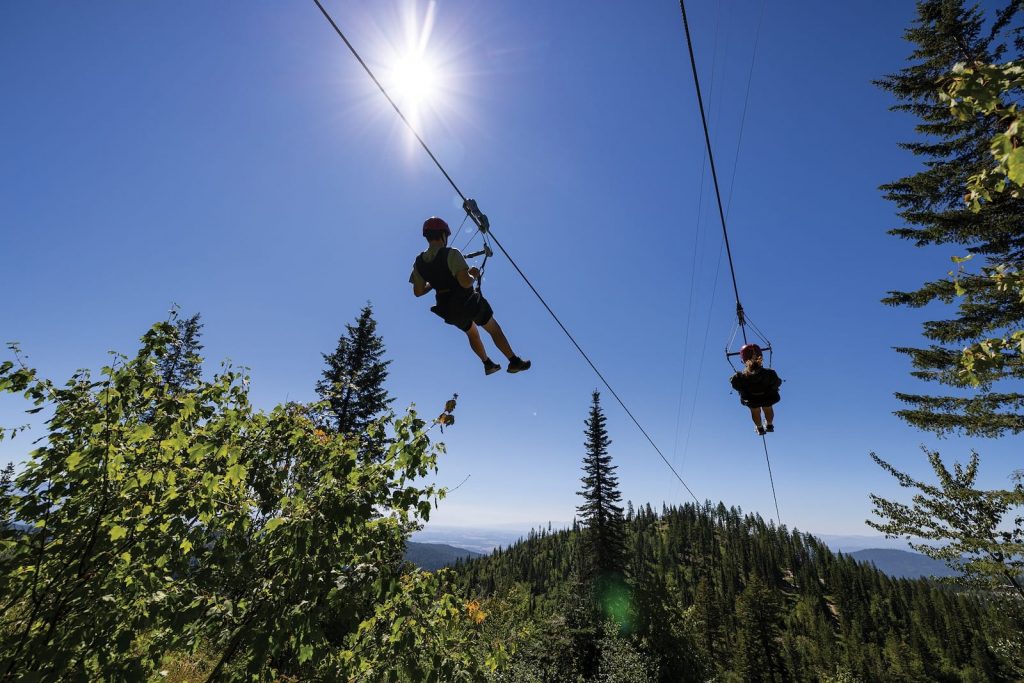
494, 329
769, 415
755, 415
476, 343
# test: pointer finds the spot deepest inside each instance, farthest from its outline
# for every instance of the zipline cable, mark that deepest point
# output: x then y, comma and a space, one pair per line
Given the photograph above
721, 213
711, 162
390, 101
502, 248
764, 442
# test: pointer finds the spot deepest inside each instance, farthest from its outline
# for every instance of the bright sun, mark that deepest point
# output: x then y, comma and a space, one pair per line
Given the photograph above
415, 75
415, 80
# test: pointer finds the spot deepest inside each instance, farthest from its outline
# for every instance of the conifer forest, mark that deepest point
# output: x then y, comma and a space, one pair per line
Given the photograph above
161, 525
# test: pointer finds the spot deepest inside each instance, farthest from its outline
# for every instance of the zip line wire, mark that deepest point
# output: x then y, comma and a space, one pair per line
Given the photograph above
711, 161
485, 228
764, 442
721, 213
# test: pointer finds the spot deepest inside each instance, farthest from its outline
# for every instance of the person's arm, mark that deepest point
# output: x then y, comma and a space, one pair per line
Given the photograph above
467, 276
419, 285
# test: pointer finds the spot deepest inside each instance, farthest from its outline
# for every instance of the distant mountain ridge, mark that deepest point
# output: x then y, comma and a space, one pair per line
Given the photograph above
434, 556
903, 564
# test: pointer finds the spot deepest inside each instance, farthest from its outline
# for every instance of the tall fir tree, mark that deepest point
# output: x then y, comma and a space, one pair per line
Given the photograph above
600, 512
180, 366
353, 381
757, 656
947, 32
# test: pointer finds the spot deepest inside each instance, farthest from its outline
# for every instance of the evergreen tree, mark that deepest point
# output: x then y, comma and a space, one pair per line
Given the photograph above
353, 381
180, 365
600, 512
945, 33
758, 656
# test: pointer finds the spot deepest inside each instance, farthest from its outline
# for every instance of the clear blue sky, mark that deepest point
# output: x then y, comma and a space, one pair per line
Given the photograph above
234, 159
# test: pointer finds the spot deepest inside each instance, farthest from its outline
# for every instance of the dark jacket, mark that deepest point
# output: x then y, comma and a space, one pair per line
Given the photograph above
758, 388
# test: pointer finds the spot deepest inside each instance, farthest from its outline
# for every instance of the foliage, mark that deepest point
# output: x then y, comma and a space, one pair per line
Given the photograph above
955, 148
972, 527
622, 660
352, 386
177, 519
989, 90
421, 633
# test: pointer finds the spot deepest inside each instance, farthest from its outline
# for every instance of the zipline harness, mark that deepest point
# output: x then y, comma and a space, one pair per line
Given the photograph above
483, 225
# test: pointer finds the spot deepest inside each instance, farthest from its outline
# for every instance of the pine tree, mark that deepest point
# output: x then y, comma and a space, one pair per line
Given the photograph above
353, 381
758, 655
180, 366
931, 202
600, 513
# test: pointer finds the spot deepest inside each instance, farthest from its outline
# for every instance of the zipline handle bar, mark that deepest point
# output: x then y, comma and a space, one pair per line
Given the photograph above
486, 251
730, 354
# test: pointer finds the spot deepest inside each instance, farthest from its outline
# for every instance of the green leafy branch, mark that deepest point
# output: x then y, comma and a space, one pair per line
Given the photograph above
984, 90
974, 529
158, 518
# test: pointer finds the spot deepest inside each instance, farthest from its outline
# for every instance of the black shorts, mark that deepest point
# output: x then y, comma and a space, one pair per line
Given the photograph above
760, 400
463, 309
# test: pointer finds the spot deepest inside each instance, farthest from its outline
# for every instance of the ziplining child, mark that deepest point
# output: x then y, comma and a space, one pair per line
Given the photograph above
758, 387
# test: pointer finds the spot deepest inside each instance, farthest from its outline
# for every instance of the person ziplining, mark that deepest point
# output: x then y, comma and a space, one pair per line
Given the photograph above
444, 270
758, 388
465, 279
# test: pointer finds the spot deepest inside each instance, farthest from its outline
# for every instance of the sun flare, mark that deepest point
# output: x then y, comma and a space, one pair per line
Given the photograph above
415, 80
417, 73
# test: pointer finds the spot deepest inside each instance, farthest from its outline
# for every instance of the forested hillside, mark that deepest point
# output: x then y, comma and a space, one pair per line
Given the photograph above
714, 592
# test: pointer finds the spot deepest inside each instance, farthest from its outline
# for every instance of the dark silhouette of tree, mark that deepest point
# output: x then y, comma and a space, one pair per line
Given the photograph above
600, 513
180, 365
353, 383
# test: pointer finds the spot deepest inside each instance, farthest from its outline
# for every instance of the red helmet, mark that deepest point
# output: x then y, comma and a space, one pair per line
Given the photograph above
434, 224
749, 352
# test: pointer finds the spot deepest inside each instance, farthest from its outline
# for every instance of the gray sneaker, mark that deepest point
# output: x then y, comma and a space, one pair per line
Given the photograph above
490, 367
517, 364
760, 430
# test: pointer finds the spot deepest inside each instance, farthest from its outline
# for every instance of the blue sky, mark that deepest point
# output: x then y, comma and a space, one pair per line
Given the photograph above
234, 159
